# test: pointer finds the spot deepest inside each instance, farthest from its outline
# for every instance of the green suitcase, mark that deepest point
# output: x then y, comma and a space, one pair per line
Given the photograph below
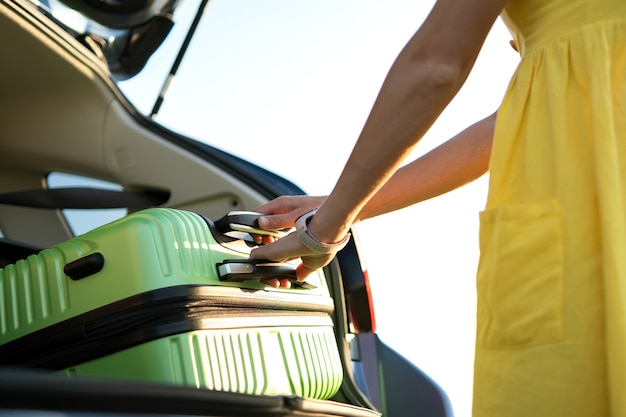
157, 296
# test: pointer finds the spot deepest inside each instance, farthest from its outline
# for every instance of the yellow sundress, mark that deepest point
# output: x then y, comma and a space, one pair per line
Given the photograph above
551, 284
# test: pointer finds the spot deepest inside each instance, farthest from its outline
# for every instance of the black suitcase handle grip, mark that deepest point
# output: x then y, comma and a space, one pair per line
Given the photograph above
247, 222
238, 270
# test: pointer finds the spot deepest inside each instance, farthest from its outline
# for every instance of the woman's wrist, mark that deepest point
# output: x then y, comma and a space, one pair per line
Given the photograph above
312, 239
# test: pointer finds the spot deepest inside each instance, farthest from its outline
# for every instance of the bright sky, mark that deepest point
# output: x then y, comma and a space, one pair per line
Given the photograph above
288, 84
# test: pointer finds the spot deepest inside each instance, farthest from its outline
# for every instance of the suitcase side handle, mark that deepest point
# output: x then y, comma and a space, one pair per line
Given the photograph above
238, 270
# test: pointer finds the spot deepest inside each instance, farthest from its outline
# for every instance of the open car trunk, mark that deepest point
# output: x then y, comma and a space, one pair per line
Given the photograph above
61, 112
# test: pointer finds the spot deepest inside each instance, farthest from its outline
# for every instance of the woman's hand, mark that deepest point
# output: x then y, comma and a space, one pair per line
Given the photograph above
282, 212
286, 249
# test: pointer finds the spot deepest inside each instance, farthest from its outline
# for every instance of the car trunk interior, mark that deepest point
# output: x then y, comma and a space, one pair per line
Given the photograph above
60, 111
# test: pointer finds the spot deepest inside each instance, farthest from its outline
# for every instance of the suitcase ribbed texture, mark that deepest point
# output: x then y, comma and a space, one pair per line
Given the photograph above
172, 247
272, 361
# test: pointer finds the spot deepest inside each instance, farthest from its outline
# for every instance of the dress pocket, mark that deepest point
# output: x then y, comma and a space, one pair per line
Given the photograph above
520, 276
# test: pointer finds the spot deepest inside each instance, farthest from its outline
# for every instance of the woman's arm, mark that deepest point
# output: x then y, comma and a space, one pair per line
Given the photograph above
422, 81
458, 161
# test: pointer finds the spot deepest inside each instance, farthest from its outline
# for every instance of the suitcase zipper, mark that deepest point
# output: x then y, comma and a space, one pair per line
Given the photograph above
153, 315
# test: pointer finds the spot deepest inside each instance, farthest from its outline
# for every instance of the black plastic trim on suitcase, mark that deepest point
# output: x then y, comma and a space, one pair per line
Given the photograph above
146, 317
242, 242
85, 266
239, 270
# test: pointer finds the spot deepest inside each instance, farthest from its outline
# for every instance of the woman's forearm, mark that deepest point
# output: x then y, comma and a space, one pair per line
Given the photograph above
453, 164
424, 78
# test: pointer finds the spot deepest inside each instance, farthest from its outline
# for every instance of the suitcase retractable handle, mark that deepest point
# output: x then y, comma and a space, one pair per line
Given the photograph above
237, 270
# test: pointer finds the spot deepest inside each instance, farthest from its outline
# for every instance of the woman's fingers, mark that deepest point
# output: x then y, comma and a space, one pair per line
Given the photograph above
288, 248
284, 249
277, 283
312, 263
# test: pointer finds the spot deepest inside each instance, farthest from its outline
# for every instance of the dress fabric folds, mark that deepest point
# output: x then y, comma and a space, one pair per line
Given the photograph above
551, 284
